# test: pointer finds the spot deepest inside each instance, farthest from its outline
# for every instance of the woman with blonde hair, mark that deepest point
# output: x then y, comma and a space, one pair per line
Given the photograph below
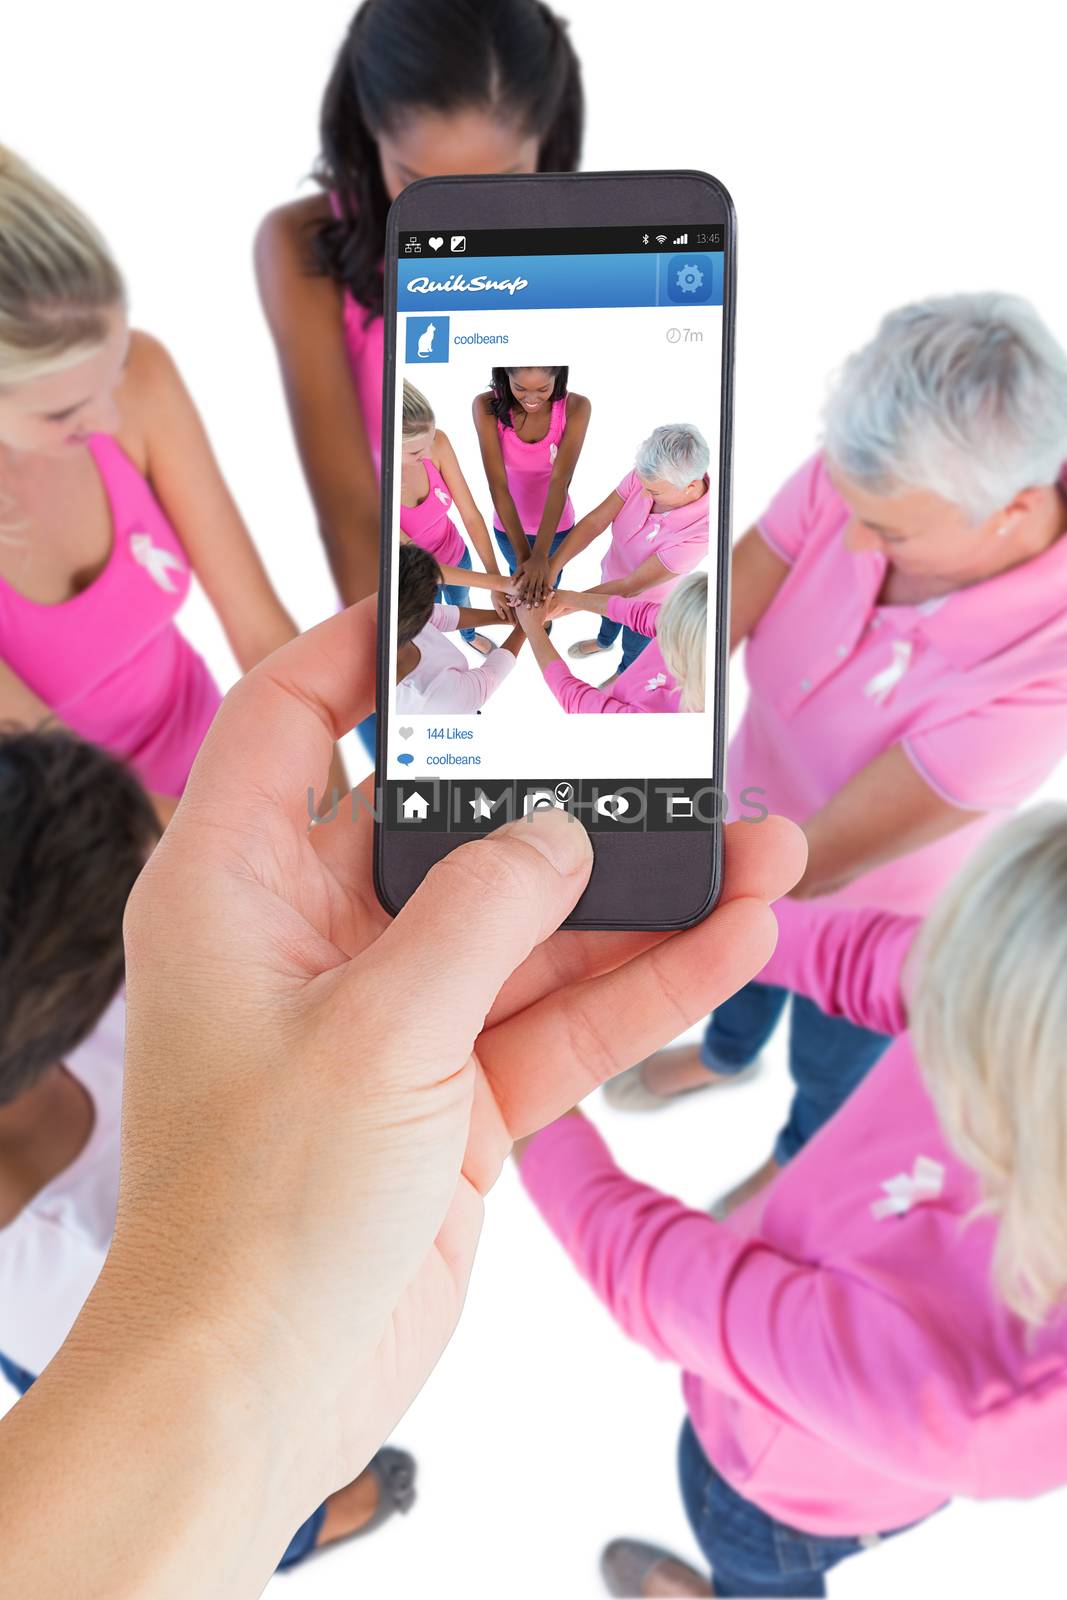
669, 675
111, 501
886, 1327
431, 485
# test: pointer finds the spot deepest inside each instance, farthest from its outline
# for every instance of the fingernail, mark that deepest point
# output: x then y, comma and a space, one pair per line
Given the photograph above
557, 834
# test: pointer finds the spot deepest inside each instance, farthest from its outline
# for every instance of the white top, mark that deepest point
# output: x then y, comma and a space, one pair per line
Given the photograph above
443, 681
51, 1254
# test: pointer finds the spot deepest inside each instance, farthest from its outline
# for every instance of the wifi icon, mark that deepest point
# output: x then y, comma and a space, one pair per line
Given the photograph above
661, 238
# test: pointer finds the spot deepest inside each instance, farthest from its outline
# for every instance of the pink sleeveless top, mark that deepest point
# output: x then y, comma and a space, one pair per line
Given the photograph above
365, 343
429, 523
529, 469
110, 661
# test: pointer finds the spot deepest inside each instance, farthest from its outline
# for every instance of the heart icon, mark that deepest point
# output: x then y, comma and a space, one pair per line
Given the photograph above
405, 733
405, 760
436, 242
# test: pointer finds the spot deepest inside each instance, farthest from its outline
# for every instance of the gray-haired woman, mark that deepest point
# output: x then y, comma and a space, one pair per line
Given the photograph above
904, 601
658, 517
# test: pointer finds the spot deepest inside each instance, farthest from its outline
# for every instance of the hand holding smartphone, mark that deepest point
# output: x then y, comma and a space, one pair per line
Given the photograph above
557, 415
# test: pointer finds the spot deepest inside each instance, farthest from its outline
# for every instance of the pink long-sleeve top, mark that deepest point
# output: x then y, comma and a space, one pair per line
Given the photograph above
847, 1364
646, 685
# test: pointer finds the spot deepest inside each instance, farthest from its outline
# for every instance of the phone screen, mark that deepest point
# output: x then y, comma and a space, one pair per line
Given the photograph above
556, 416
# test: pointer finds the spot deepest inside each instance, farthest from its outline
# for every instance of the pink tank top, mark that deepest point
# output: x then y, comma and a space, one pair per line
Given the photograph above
429, 523
365, 343
110, 661
529, 469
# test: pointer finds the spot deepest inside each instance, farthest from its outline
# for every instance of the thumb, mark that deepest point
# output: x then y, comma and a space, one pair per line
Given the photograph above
474, 919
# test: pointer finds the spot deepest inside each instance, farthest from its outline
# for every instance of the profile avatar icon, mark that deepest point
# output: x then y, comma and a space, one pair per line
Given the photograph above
427, 339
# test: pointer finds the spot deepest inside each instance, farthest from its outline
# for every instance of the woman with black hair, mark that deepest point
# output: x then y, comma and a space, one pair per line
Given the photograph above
531, 431
420, 88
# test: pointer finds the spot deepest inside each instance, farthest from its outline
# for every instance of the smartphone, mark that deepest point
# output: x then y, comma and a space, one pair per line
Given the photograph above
556, 528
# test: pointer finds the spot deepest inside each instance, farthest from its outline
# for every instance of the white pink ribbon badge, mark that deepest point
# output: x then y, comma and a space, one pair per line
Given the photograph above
157, 562
925, 1182
883, 683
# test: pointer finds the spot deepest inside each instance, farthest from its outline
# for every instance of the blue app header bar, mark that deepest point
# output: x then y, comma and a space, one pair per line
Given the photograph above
538, 283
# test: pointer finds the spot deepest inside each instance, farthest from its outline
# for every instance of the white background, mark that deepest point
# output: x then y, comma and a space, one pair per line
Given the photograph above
636, 380
875, 154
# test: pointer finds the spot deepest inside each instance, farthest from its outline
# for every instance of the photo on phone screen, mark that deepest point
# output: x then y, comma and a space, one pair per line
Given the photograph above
553, 550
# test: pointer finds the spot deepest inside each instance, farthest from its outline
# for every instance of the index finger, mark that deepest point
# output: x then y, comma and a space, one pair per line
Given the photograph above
274, 734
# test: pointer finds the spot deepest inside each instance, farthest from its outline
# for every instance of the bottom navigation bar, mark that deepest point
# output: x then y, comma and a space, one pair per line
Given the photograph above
622, 805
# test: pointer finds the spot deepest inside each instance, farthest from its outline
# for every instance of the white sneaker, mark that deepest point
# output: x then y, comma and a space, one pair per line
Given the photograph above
630, 1092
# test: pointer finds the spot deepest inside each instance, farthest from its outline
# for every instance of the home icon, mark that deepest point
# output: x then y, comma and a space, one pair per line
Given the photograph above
415, 807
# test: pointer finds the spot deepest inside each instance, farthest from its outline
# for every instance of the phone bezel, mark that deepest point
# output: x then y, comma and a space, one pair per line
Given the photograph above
650, 871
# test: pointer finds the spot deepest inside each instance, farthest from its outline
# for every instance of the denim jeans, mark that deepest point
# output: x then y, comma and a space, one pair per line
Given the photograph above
828, 1056
454, 594
632, 642
368, 734
507, 549
303, 1539
750, 1553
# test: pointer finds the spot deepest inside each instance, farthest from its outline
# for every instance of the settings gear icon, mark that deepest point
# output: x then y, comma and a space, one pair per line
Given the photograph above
689, 278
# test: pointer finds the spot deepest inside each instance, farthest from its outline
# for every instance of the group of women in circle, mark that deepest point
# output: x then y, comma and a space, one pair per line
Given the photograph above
873, 1322
531, 429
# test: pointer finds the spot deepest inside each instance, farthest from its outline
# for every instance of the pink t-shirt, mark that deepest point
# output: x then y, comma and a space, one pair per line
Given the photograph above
444, 681
365, 344
529, 472
428, 524
646, 685
847, 1366
678, 537
973, 686
110, 661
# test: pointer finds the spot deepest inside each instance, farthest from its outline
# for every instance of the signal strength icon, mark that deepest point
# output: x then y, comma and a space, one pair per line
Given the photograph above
661, 238
683, 238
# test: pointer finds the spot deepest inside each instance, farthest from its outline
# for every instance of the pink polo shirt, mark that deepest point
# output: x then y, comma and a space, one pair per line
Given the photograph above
847, 1365
678, 537
973, 686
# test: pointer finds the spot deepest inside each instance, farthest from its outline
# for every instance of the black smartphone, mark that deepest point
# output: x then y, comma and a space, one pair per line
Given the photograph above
556, 528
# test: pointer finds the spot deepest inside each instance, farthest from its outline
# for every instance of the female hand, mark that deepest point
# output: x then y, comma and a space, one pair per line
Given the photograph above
562, 602
532, 618
533, 580
316, 1101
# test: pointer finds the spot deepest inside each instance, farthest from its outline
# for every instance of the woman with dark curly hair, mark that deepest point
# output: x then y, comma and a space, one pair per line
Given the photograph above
418, 90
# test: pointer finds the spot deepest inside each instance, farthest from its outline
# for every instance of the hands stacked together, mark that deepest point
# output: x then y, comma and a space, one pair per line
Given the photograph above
531, 601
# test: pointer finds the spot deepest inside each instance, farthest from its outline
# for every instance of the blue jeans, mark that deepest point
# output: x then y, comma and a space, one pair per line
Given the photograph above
454, 594
828, 1056
507, 549
368, 734
303, 1539
749, 1553
632, 642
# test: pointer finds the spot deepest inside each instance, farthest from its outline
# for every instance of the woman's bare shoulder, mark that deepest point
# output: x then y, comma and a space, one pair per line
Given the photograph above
284, 252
